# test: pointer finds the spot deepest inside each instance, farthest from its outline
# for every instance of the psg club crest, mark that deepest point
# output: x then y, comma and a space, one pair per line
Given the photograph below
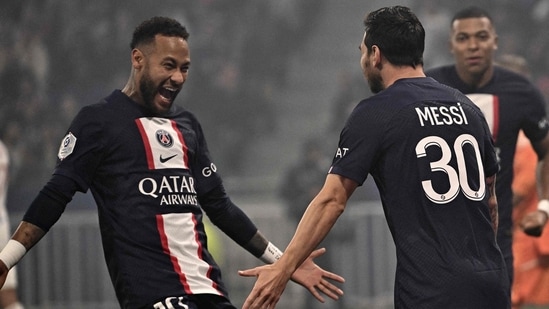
164, 143
164, 138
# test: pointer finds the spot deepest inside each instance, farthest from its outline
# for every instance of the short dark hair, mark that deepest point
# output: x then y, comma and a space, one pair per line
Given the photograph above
398, 33
147, 30
471, 12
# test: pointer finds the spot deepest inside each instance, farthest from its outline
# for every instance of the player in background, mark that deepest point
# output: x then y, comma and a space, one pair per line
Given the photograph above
146, 162
530, 288
509, 101
530, 254
8, 294
429, 150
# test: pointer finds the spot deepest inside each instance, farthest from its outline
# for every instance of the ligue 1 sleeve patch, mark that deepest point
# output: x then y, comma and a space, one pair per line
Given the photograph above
67, 146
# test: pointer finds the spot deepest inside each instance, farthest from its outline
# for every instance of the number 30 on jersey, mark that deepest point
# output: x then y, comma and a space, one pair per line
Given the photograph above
458, 180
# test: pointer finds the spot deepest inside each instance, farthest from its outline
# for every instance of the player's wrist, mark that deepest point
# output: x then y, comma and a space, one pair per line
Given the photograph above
12, 253
543, 205
271, 254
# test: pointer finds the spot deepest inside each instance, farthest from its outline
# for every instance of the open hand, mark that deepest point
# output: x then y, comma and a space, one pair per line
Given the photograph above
271, 282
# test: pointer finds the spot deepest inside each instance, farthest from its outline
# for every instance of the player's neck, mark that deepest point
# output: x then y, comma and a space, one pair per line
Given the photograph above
394, 73
476, 80
131, 89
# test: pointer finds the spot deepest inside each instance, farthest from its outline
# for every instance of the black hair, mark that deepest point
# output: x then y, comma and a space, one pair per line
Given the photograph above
471, 12
147, 30
398, 33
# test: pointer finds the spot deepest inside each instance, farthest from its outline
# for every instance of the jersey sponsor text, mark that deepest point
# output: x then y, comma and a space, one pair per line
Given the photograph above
172, 190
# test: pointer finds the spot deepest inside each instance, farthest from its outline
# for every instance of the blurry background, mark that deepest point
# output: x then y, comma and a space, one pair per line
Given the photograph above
267, 79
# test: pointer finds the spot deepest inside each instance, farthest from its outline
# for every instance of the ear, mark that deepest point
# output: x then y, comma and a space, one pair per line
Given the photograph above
138, 58
376, 57
496, 42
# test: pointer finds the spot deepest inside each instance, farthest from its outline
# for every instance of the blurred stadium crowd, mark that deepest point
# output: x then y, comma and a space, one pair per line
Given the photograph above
57, 56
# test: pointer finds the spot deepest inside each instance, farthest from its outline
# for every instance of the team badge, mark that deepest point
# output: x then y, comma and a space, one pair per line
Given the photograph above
164, 138
67, 146
164, 143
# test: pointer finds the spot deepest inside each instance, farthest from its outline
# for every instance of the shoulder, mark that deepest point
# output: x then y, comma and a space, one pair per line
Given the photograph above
114, 108
106, 105
383, 106
505, 74
106, 115
507, 81
442, 72
181, 112
510, 78
184, 117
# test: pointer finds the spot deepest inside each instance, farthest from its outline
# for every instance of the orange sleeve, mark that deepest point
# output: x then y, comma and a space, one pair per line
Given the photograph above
524, 179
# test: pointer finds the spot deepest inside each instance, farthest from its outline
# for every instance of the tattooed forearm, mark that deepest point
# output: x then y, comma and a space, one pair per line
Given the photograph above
492, 201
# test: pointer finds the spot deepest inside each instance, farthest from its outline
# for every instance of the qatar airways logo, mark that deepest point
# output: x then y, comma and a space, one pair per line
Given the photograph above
171, 190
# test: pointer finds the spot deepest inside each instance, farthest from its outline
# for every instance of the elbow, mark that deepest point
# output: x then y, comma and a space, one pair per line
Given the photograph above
334, 207
338, 208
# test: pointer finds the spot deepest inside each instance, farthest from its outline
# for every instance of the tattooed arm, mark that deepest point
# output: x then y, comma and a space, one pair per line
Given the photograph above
492, 201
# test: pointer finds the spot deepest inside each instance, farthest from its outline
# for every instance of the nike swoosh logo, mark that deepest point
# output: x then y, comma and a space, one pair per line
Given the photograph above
164, 160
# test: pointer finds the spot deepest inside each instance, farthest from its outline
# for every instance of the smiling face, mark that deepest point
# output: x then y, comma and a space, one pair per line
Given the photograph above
473, 43
161, 69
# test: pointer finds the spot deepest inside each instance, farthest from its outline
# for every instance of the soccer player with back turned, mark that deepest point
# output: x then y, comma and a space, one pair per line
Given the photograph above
430, 152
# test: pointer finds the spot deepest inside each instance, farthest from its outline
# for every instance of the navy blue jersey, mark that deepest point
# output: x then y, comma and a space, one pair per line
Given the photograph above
146, 174
429, 151
510, 102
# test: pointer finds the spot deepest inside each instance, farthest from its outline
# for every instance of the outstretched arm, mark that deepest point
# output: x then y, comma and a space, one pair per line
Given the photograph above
315, 224
308, 274
24, 238
238, 226
41, 215
533, 223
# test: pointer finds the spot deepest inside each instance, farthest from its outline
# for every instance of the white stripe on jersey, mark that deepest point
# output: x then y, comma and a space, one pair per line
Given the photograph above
164, 143
180, 241
488, 104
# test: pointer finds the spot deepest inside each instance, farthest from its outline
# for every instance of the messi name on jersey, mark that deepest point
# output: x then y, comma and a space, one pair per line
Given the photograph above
441, 115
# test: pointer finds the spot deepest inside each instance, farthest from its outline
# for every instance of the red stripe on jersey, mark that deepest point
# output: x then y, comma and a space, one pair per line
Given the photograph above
180, 136
199, 253
496, 118
148, 150
214, 284
166, 247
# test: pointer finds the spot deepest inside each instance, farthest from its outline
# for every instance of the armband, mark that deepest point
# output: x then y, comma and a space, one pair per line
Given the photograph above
12, 253
543, 205
271, 254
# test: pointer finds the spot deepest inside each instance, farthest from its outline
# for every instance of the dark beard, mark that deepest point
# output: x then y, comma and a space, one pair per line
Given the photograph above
148, 92
375, 83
